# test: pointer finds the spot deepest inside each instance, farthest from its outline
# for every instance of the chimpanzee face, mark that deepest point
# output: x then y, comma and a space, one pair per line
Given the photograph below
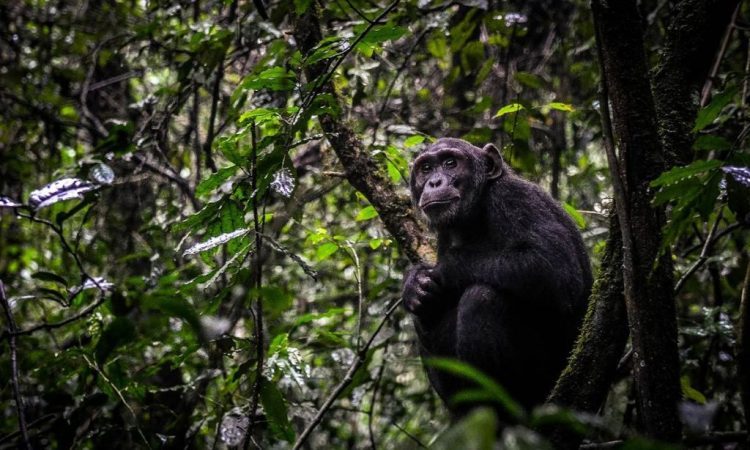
448, 178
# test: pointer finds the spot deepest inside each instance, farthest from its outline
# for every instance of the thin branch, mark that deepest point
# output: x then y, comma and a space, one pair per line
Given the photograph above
703, 256
212, 118
14, 368
718, 236
359, 360
109, 382
51, 326
706, 93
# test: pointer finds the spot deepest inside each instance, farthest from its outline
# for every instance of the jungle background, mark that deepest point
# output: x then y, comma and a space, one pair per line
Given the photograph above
204, 216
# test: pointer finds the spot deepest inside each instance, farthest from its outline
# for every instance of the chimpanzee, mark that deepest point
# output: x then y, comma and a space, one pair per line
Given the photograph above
512, 279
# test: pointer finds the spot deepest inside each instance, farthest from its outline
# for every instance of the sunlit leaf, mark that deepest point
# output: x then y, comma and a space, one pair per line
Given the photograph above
60, 190
366, 213
7, 202
577, 216
561, 106
214, 242
511, 108
411, 141
326, 250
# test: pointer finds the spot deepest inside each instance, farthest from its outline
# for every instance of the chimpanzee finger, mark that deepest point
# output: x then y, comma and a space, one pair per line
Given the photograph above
428, 285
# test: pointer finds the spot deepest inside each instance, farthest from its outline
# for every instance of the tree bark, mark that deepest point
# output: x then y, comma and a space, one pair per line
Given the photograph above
647, 269
689, 50
362, 171
584, 384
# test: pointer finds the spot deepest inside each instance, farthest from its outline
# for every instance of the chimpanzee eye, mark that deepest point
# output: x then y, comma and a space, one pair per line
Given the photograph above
425, 168
450, 163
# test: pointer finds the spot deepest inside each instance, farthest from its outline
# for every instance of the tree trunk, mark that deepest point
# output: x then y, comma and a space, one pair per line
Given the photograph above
647, 269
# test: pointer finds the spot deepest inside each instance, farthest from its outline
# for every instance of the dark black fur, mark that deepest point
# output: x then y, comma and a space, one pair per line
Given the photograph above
512, 280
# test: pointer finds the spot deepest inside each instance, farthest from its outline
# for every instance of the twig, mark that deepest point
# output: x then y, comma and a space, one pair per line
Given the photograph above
718, 236
706, 93
59, 232
101, 373
359, 360
181, 183
14, 368
51, 326
703, 256
409, 435
212, 118
373, 401
259, 344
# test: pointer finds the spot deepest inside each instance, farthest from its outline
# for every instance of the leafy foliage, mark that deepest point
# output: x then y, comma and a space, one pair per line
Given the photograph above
186, 266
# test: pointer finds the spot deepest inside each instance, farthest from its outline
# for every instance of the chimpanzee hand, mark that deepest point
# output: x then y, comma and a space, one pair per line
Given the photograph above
422, 289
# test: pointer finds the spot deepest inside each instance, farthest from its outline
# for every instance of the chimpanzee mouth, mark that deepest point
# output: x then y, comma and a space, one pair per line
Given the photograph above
439, 203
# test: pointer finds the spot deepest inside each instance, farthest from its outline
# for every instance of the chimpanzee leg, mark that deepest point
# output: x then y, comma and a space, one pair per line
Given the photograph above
437, 338
487, 337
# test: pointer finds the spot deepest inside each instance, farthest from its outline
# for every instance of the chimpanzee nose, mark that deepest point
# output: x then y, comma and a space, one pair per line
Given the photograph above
435, 182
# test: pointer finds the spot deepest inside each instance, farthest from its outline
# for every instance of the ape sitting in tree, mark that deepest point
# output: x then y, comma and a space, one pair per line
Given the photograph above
511, 283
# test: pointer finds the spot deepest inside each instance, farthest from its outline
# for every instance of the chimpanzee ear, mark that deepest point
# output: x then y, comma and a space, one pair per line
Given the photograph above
494, 161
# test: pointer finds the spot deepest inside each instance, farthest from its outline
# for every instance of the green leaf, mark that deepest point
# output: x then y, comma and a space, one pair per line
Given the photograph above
710, 112
411, 141
276, 411
577, 216
690, 392
711, 142
49, 276
326, 250
380, 33
477, 431
366, 213
260, 116
496, 392
561, 106
300, 6
681, 173
274, 78
511, 108
118, 333
215, 180
437, 45
530, 80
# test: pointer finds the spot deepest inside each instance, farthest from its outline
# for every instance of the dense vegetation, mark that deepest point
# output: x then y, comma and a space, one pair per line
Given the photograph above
204, 216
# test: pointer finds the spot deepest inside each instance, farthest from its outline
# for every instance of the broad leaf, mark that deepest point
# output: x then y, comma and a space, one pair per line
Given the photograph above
60, 190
